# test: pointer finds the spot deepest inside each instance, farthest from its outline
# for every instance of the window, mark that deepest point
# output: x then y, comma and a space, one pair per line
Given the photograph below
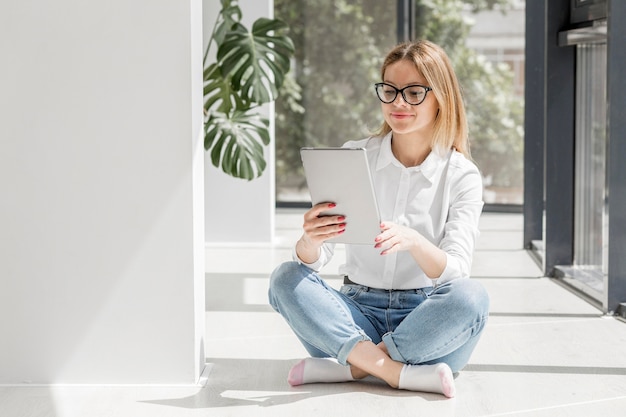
339, 47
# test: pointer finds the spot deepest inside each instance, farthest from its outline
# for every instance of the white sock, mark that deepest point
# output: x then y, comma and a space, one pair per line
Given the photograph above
436, 378
311, 370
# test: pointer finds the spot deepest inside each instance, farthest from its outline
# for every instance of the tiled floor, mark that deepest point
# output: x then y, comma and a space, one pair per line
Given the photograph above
545, 351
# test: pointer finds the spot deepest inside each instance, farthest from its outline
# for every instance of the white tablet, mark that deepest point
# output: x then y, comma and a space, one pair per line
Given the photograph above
342, 176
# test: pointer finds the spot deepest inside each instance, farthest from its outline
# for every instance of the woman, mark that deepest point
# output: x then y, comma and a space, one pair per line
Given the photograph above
407, 312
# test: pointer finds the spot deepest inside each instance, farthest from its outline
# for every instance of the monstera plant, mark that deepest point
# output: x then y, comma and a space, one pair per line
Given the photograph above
249, 68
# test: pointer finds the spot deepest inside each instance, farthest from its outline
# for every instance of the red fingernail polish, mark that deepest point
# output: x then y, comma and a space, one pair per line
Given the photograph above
332, 205
341, 218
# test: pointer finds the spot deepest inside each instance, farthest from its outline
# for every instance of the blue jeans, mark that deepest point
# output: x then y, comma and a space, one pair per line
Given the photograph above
422, 326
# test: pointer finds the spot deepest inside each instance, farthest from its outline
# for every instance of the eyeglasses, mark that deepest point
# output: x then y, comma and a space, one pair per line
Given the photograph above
412, 94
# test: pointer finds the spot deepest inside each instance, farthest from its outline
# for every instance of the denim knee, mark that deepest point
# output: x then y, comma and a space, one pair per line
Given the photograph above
284, 279
445, 328
477, 298
469, 295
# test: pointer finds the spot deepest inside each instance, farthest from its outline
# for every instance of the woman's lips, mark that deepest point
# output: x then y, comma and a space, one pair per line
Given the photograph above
401, 115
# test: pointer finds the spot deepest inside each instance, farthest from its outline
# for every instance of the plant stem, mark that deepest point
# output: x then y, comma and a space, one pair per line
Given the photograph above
212, 38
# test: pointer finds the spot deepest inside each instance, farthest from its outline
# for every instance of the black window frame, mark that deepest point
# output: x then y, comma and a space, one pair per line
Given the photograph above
582, 12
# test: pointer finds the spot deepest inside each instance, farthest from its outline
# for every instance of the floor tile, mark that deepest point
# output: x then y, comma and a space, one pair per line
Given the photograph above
545, 351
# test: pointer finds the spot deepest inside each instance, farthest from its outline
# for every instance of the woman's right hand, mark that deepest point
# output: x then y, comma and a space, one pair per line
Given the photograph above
317, 229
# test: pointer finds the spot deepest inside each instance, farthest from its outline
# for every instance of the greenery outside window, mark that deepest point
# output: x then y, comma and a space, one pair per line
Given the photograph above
328, 98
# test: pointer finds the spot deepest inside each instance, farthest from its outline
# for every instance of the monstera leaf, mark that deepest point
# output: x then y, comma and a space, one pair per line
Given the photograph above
250, 68
227, 18
236, 140
219, 92
257, 61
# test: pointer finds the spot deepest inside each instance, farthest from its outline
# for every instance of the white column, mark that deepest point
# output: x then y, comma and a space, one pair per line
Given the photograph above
101, 172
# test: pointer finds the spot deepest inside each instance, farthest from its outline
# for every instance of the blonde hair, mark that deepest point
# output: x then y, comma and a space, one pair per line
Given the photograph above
431, 61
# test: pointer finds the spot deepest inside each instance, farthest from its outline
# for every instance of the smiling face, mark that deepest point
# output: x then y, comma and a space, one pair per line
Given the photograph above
439, 122
403, 118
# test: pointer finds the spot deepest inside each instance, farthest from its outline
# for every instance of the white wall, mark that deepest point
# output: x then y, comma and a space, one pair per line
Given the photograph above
101, 172
239, 210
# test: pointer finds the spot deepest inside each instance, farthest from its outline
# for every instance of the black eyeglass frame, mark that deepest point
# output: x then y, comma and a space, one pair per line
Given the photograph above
401, 91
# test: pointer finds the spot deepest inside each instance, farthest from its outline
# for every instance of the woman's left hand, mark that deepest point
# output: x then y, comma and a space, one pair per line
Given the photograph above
394, 238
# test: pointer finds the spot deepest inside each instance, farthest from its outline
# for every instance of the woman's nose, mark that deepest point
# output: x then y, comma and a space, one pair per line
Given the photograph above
400, 101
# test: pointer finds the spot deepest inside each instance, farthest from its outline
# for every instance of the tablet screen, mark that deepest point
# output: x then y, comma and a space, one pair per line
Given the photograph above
342, 176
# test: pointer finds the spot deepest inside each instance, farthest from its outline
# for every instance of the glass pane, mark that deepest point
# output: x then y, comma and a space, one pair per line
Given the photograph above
589, 205
590, 266
339, 48
590, 154
493, 79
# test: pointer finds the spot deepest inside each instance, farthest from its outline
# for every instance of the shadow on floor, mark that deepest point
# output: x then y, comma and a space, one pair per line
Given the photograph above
236, 292
539, 369
242, 292
236, 382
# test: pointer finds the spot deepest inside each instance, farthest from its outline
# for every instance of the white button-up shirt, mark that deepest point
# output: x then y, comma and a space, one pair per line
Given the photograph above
441, 199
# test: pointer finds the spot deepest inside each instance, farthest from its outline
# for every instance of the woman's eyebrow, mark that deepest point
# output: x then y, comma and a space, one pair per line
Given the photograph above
406, 85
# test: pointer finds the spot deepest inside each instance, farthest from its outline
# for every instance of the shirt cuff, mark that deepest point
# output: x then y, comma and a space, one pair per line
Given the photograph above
452, 271
316, 266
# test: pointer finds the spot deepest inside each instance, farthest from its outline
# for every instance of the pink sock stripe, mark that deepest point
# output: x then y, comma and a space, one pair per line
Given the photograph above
296, 374
447, 383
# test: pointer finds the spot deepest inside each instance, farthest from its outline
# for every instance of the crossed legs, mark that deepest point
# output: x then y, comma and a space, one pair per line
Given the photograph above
420, 354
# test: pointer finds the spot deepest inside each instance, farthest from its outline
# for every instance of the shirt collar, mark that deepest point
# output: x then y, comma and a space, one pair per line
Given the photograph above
385, 156
428, 168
